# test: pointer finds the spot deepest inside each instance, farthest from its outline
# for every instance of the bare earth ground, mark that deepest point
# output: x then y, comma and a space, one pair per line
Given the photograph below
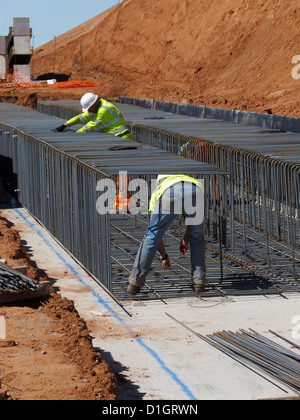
235, 54
228, 54
53, 357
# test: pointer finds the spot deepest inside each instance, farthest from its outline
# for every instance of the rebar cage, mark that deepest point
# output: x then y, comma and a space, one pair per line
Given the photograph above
262, 159
58, 174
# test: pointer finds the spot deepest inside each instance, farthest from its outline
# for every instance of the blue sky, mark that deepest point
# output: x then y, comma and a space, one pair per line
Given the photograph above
50, 19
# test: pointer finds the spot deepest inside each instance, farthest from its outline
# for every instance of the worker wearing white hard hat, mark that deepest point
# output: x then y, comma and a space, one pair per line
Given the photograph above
87, 101
98, 115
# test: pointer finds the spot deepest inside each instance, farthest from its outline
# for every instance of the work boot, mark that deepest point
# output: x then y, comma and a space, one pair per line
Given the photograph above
132, 289
199, 287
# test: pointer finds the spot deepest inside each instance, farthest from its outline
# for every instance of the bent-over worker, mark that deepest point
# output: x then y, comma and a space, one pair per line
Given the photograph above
173, 195
100, 115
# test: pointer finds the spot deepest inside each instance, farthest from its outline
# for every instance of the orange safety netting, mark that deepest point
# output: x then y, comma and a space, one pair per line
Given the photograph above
24, 84
75, 84
59, 85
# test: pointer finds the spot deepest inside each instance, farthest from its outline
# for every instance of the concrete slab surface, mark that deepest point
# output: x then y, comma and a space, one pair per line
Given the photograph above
155, 357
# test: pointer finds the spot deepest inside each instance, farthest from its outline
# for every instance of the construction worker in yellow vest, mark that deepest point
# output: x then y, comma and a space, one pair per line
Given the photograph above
174, 195
100, 115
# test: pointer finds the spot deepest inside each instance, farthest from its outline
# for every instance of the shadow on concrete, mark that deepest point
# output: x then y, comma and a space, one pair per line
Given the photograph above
127, 389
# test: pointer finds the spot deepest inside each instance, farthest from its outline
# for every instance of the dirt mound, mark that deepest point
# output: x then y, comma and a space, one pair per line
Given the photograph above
235, 54
12, 250
52, 357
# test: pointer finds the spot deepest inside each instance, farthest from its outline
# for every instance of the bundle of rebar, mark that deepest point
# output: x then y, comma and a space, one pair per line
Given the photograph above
12, 282
258, 351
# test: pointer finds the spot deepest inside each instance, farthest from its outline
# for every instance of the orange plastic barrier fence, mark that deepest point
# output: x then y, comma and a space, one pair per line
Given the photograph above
60, 85
74, 84
24, 84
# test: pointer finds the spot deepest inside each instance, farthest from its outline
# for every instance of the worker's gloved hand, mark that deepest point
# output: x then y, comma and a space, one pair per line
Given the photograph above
165, 262
184, 246
60, 128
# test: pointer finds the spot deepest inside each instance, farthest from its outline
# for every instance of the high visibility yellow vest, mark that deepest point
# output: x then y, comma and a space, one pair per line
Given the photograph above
169, 182
108, 119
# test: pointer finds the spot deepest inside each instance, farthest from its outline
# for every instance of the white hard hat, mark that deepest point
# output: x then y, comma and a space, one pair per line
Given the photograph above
87, 101
160, 178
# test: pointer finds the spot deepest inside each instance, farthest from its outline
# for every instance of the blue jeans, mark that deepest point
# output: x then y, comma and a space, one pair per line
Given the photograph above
159, 224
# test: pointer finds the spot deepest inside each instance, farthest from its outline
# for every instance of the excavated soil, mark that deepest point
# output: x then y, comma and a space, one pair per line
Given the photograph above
48, 352
229, 54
